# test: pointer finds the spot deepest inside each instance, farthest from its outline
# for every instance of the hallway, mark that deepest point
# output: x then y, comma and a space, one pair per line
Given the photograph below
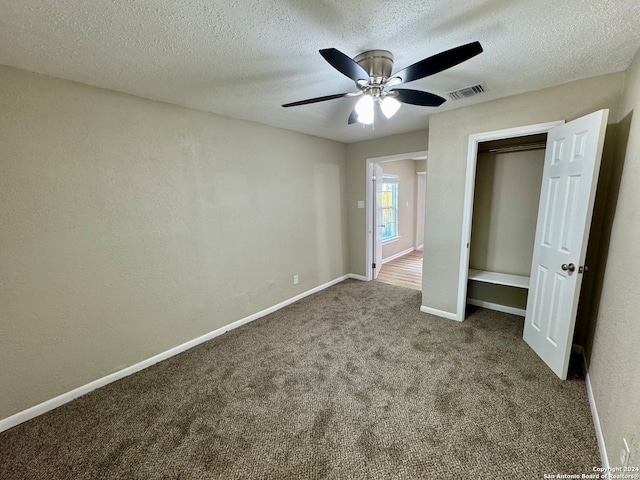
405, 271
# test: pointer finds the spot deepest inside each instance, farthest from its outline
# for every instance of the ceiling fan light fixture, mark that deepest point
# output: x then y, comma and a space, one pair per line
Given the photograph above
393, 82
389, 106
364, 109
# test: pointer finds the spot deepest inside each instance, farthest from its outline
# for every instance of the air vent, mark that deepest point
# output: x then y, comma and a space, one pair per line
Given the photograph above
467, 92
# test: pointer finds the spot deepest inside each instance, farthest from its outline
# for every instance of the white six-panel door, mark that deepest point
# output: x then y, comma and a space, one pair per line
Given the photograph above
569, 179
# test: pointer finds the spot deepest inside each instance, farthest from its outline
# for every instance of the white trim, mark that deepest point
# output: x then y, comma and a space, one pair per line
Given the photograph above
497, 307
420, 247
420, 155
438, 313
397, 255
497, 278
596, 418
470, 180
391, 240
391, 178
362, 278
368, 268
421, 173
55, 402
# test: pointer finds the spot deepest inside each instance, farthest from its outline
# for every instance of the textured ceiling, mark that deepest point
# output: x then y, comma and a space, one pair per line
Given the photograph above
244, 58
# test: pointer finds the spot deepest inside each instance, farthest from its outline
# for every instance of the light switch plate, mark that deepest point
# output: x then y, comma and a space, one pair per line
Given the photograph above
360, 203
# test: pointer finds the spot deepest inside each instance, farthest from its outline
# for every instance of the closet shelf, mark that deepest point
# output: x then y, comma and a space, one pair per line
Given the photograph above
496, 278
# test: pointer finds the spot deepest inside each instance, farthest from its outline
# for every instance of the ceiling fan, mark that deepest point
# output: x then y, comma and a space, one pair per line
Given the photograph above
371, 71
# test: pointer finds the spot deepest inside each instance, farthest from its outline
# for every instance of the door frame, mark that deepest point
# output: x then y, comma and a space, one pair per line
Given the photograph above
469, 187
421, 179
369, 203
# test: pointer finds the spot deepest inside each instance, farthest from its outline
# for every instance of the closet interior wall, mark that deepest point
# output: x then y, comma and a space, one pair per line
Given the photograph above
505, 211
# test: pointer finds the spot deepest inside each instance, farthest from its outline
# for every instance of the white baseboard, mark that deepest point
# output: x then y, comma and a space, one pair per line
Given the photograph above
420, 248
358, 277
397, 255
596, 419
55, 402
496, 306
440, 313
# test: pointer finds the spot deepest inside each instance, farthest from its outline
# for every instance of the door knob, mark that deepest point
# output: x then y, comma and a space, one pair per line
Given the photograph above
571, 267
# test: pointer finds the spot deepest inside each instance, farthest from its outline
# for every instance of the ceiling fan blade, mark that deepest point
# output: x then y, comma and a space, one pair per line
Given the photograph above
438, 63
416, 97
344, 64
353, 118
317, 99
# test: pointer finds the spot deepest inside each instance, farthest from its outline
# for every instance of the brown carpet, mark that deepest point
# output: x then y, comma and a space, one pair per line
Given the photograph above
353, 382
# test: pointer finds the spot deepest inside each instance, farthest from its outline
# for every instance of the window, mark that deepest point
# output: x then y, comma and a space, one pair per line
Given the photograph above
389, 205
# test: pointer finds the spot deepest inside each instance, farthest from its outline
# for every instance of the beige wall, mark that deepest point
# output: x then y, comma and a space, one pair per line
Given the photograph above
448, 141
357, 155
500, 294
405, 169
129, 227
614, 351
505, 211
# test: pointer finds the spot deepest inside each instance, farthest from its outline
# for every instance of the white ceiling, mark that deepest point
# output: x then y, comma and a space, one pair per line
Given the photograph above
244, 58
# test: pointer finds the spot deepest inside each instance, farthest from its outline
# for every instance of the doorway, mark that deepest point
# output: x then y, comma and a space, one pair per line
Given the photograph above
475, 140
392, 228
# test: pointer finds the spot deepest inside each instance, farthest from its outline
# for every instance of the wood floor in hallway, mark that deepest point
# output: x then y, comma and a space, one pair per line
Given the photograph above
405, 271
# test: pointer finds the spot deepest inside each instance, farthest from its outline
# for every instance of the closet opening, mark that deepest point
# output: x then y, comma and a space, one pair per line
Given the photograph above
503, 224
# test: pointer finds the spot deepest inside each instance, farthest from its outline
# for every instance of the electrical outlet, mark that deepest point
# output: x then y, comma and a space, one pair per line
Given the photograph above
295, 279
625, 453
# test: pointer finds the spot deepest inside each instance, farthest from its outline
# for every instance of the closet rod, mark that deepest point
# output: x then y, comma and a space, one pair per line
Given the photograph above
517, 148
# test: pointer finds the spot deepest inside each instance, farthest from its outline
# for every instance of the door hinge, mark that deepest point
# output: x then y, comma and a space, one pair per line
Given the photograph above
373, 265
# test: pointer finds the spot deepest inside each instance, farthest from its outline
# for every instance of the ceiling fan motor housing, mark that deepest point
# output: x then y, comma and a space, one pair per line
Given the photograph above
377, 63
